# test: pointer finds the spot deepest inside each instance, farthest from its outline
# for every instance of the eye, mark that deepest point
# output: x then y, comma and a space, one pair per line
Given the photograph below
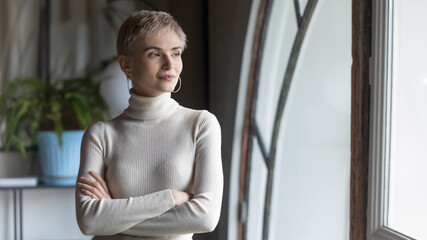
176, 54
153, 54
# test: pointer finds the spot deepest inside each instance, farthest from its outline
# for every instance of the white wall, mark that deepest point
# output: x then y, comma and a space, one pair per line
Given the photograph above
50, 214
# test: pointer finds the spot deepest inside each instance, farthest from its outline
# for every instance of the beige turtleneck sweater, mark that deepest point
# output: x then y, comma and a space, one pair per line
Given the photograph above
154, 146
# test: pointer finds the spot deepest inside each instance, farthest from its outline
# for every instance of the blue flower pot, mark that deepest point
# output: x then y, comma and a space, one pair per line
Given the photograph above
59, 165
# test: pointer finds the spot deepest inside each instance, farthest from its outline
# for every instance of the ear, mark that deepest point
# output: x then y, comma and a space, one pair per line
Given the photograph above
125, 65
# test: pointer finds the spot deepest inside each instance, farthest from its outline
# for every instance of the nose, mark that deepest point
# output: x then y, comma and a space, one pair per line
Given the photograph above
168, 63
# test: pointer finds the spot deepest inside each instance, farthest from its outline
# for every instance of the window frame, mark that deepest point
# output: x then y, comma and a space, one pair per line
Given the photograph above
380, 81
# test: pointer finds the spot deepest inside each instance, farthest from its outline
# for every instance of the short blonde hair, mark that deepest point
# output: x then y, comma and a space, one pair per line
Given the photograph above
144, 24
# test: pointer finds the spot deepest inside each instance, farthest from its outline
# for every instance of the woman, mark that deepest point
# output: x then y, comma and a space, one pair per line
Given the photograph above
155, 171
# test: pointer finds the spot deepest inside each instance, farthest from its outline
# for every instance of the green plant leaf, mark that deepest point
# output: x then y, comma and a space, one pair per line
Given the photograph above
21, 148
81, 108
29, 104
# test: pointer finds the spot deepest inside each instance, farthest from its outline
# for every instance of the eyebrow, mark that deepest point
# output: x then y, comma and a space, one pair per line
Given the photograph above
158, 49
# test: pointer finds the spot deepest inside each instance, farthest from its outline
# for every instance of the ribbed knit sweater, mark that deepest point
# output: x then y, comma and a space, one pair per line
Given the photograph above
154, 146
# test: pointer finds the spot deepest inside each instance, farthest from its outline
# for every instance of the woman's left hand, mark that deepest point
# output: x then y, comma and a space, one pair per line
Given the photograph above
94, 188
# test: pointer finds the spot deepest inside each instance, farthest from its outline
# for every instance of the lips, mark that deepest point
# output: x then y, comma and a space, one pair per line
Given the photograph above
167, 77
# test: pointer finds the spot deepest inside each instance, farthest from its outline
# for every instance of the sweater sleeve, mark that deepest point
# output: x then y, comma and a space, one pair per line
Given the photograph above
111, 216
200, 214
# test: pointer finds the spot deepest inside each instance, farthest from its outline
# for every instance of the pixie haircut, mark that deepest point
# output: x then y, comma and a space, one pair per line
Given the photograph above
144, 24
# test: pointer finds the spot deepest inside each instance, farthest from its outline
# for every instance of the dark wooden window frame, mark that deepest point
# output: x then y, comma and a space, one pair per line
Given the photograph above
360, 115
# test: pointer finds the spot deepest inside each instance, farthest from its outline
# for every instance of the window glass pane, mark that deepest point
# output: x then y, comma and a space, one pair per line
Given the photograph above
408, 144
258, 182
280, 36
302, 4
312, 174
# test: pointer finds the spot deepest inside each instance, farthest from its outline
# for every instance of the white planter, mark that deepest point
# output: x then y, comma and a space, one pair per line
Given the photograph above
14, 165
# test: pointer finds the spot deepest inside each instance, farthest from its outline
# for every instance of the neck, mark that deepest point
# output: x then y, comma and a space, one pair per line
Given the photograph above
150, 108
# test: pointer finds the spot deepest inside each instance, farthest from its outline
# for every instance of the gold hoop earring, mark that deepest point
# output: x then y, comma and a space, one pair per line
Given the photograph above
179, 87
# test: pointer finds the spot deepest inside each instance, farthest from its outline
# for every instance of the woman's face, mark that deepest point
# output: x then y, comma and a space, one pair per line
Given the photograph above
156, 63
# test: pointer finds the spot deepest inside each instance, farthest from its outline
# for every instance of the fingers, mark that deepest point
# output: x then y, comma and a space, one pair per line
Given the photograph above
95, 188
89, 187
89, 194
180, 197
99, 180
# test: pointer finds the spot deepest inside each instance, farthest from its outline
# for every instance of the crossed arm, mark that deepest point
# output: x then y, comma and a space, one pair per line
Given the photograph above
96, 188
191, 214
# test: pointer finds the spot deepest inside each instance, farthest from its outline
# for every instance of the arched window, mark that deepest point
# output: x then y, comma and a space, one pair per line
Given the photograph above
295, 146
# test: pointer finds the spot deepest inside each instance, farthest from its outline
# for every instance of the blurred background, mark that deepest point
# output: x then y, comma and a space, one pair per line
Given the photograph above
275, 73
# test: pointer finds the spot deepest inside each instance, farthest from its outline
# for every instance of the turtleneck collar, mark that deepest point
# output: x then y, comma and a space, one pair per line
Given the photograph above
150, 108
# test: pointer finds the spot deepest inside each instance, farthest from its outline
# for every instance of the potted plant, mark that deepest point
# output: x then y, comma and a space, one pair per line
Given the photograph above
53, 117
